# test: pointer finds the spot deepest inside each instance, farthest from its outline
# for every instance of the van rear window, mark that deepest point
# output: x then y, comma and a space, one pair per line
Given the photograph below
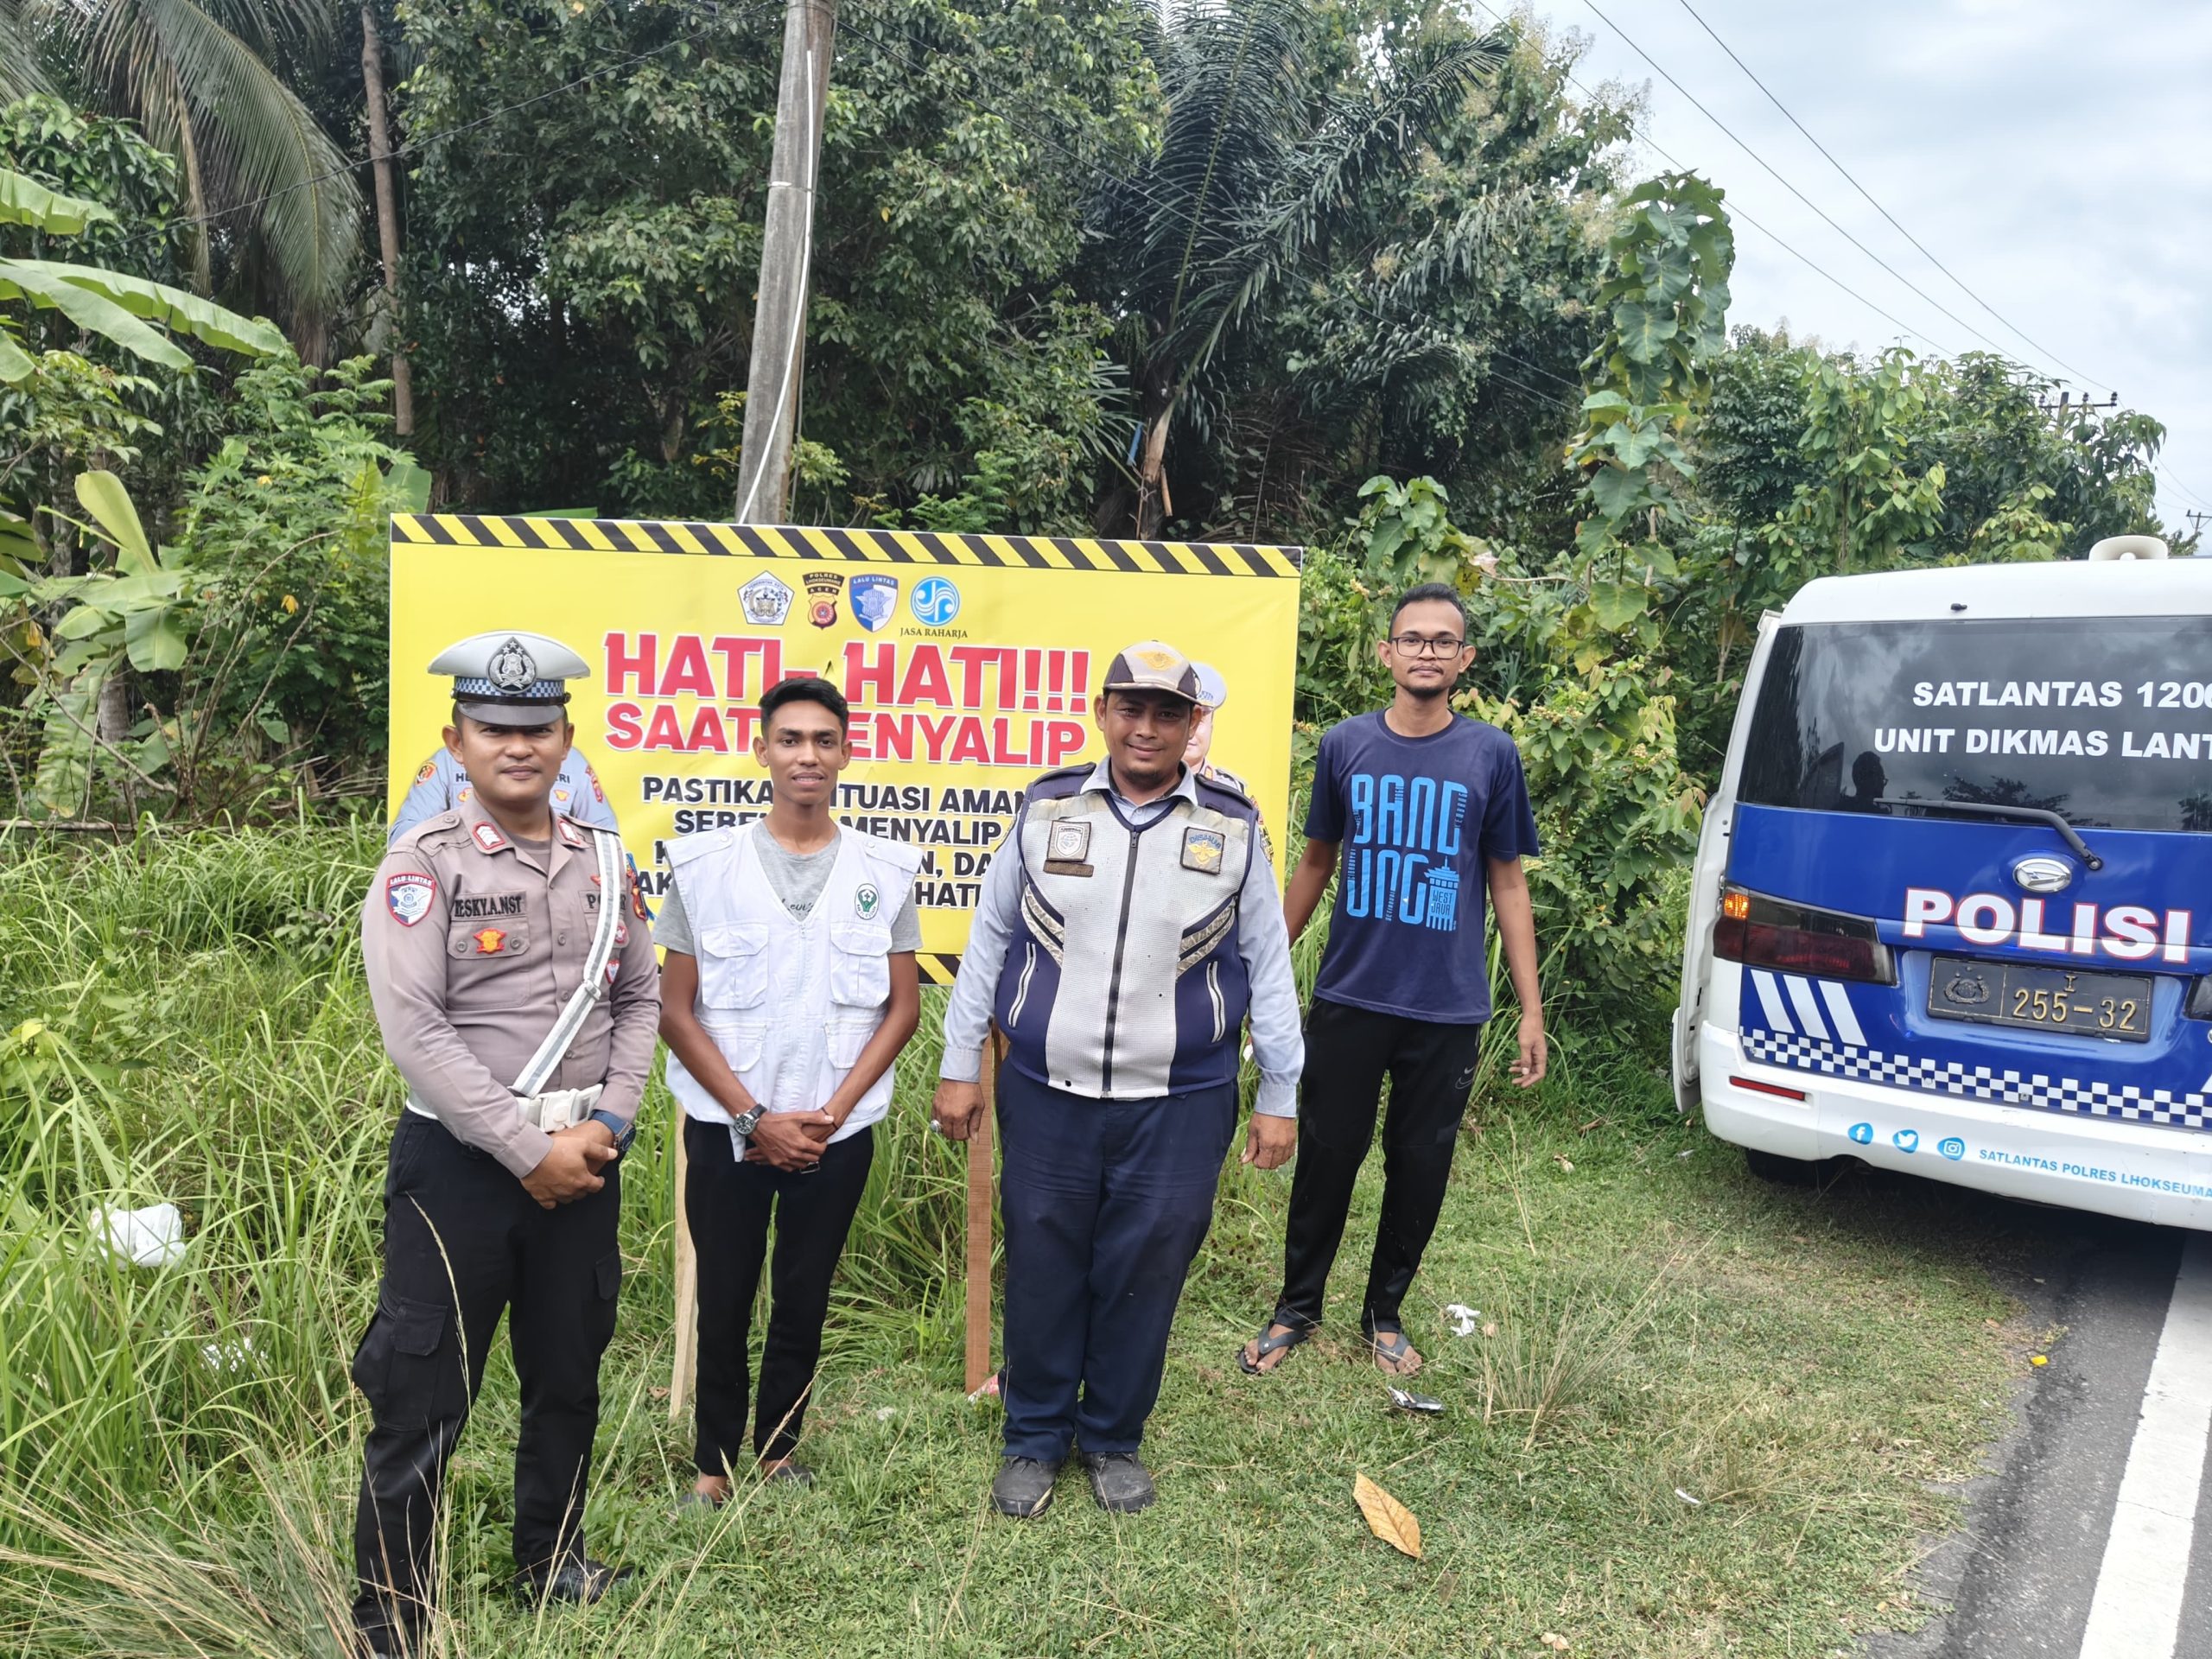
2106, 720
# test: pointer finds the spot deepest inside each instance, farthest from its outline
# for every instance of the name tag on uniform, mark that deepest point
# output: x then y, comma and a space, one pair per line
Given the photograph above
1067, 846
1203, 850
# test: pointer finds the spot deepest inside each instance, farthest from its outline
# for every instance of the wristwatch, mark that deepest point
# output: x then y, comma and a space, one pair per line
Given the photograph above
746, 1122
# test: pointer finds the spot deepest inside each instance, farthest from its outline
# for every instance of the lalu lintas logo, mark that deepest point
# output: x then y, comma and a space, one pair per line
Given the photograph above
875, 600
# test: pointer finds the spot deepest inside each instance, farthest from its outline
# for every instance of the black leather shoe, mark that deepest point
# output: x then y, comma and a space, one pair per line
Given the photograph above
1024, 1488
1120, 1482
583, 1582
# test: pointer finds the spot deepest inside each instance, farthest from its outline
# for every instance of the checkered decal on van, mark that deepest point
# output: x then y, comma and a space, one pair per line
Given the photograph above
2126, 1103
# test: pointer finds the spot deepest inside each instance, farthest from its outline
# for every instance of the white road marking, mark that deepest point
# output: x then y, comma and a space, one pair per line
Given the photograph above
2136, 1613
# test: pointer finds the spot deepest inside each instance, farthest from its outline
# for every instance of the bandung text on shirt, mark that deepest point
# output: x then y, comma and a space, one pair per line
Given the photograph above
1404, 832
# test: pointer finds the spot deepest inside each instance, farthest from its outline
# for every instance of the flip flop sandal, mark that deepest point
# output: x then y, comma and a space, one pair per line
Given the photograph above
1393, 1346
1265, 1345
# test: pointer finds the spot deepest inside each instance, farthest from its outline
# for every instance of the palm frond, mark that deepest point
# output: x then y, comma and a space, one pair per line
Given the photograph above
21, 74
1362, 140
262, 166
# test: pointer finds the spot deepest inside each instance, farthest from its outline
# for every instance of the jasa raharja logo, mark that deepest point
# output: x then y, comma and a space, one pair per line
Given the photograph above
935, 601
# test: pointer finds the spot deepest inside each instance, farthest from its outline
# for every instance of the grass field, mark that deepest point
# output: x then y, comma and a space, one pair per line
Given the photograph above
185, 1021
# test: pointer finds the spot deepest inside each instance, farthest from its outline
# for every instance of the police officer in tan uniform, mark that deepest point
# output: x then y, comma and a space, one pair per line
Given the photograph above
512, 973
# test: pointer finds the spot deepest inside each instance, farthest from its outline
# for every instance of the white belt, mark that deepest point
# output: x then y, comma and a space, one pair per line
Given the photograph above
555, 1109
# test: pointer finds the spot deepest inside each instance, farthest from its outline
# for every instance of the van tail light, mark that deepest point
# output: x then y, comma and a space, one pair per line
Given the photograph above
1763, 932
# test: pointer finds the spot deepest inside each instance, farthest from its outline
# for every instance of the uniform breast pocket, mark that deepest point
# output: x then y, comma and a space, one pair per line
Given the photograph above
860, 964
733, 965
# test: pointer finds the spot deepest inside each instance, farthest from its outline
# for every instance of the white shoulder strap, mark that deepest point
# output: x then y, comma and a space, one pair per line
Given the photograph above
554, 1048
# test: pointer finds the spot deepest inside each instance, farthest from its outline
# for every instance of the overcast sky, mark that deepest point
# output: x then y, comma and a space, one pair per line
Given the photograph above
2056, 156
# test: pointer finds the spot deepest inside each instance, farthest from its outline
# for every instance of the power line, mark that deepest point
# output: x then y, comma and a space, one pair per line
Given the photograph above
2173, 481
1877, 206
1736, 211
1661, 70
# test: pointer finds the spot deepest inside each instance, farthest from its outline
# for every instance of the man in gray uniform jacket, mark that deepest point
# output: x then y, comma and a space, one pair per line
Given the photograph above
1127, 925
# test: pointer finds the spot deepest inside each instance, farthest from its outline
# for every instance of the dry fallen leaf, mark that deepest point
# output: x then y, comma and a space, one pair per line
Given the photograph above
1556, 1642
1491, 1328
1564, 1161
1387, 1518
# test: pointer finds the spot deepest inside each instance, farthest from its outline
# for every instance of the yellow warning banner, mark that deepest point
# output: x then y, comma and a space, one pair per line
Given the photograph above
971, 664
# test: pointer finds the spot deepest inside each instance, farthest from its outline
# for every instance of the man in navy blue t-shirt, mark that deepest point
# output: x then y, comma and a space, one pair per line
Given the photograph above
1419, 811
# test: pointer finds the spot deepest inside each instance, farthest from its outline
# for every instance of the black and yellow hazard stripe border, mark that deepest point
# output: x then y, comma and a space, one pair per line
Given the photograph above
847, 546
937, 967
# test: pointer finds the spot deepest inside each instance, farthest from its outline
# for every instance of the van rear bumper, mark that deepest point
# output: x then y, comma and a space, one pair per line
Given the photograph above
2139, 1171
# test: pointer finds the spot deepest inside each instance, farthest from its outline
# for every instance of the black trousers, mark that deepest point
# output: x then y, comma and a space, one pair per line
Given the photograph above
463, 1244
1348, 1052
728, 1204
1106, 1203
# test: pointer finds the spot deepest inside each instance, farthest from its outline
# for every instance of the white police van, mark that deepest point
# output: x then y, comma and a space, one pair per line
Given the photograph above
1952, 907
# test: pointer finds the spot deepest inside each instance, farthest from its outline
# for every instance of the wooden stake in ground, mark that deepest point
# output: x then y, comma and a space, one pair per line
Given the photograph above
687, 1292
980, 1197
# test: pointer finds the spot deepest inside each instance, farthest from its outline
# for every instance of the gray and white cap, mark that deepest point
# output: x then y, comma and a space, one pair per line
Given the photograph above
508, 677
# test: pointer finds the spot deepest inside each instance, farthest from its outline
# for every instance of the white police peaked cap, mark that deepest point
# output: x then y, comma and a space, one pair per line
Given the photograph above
507, 677
1213, 690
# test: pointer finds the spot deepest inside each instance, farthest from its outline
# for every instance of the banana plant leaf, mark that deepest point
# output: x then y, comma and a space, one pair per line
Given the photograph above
24, 201
46, 282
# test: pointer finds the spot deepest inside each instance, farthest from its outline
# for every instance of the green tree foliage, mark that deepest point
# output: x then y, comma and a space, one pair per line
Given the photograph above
1267, 148
584, 269
268, 194
1666, 305
1814, 463
1419, 308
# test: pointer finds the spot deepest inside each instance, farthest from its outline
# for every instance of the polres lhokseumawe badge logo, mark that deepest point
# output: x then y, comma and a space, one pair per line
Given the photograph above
935, 601
874, 600
766, 599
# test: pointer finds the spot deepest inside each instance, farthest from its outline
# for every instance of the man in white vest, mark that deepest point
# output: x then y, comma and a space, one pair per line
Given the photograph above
788, 990
1128, 923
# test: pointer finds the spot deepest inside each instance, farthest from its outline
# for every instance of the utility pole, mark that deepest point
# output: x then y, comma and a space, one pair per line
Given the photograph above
764, 462
772, 380
402, 380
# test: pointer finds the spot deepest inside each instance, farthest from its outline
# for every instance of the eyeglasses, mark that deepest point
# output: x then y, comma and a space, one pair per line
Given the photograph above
1412, 645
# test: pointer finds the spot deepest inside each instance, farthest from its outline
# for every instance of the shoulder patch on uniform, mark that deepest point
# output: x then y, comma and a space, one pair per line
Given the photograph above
429, 771
438, 824
1225, 783
487, 835
1062, 780
407, 895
